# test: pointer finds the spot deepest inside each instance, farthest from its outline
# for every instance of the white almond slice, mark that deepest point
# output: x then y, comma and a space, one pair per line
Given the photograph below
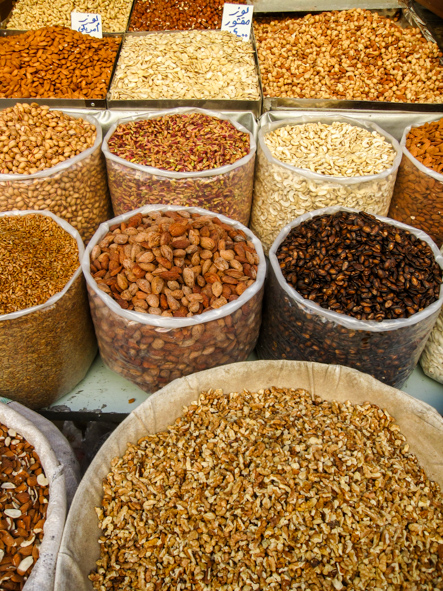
24, 565
27, 542
8, 485
13, 513
42, 480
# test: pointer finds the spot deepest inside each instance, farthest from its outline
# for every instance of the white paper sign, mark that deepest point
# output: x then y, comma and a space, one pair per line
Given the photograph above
87, 22
237, 18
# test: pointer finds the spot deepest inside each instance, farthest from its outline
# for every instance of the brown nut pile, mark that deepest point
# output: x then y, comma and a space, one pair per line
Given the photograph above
33, 138
418, 197
349, 55
179, 15
276, 489
37, 259
56, 62
23, 504
176, 264
354, 264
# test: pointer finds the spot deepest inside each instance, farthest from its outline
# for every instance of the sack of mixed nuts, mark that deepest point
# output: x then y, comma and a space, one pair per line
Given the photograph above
326, 474
34, 494
47, 340
418, 192
349, 288
309, 162
173, 291
431, 359
51, 160
184, 156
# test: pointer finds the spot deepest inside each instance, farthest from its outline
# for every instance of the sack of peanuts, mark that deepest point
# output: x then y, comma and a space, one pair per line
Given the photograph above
349, 288
184, 156
310, 162
431, 359
50, 160
34, 504
47, 340
173, 291
418, 193
269, 449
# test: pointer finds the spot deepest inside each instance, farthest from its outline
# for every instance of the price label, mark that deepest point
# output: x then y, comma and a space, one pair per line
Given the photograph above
237, 18
88, 23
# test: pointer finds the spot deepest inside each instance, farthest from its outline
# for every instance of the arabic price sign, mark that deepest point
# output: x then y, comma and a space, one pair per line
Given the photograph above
237, 18
87, 22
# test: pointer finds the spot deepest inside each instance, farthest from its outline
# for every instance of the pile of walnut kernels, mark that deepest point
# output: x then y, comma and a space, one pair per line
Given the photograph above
276, 489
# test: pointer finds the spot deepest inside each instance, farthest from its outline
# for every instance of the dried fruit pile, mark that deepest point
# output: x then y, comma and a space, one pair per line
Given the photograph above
23, 504
354, 264
181, 143
276, 489
37, 259
174, 263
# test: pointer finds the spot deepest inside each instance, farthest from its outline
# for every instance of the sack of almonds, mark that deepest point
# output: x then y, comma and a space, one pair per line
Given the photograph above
349, 288
34, 502
47, 340
173, 291
418, 192
256, 474
51, 160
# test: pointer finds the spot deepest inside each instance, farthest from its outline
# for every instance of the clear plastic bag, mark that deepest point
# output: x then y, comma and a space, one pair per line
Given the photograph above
76, 190
46, 350
226, 190
283, 192
151, 350
418, 194
431, 359
296, 328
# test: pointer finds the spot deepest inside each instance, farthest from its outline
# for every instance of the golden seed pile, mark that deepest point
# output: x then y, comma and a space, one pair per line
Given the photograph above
37, 259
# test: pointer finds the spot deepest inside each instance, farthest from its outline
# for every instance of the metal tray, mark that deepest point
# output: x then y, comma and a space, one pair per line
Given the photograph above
254, 106
61, 103
408, 18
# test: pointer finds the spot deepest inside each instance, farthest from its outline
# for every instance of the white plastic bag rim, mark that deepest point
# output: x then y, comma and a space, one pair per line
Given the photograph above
421, 167
81, 248
66, 163
342, 319
325, 178
170, 173
164, 323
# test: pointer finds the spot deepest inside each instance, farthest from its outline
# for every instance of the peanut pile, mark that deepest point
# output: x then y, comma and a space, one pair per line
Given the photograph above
33, 138
277, 490
174, 263
350, 55
23, 504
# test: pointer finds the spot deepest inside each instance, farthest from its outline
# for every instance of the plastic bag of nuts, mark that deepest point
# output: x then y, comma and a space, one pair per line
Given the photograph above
75, 188
418, 192
47, 344
431, 359
322, 162
224, 188
360, 270
176, 326
31, 540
